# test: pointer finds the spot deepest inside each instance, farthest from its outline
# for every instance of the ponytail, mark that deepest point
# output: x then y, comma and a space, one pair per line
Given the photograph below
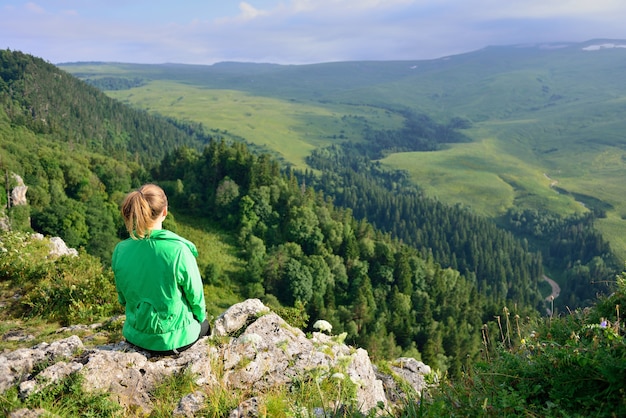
141, 208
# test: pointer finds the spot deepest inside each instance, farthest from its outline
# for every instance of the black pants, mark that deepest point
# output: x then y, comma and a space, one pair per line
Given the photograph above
204, 330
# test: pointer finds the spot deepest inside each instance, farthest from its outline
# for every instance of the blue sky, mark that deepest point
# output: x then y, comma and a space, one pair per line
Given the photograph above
294, 31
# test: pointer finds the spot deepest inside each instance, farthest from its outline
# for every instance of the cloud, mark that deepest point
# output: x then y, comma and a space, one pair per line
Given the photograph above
34, 8
296, 31
249, 12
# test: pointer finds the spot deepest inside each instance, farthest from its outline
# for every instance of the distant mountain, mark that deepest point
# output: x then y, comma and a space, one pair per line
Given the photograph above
547, 119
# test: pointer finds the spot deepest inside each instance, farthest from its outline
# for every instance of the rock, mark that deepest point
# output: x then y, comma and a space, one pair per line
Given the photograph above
50, 375
284, 353
409, 370
130, 376
236, 317
247, 409
190, 405
28, 413
18, 193
412, 371
59, 248
19, 363
266, 355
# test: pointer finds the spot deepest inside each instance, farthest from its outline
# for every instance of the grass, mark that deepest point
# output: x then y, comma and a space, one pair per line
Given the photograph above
291, 128
539, 116
481, 176
562, 366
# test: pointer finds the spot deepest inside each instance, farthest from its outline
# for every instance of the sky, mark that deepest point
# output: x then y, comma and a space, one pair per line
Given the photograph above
294, 31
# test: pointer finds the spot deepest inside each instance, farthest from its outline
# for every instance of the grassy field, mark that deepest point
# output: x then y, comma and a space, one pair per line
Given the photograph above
482, 176
548, 126
290, 128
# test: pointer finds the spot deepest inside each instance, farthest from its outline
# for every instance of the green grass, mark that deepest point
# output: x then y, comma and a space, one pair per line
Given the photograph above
540, 117
481, 175
291, 128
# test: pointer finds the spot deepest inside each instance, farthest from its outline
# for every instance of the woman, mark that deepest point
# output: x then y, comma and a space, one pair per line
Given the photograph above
157, 278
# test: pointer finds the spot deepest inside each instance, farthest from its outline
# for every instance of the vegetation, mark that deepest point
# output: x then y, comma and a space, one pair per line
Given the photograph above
568, 366
540, 116
65, 399
351, 242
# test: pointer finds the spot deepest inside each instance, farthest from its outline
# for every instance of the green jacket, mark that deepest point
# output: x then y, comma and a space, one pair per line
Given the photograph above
158, 282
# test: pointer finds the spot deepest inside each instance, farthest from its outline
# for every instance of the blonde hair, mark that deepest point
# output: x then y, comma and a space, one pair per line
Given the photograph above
141, 209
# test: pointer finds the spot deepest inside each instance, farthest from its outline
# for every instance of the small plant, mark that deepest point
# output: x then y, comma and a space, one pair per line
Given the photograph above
295, 316
66, 398
67, 289
169, 392
572, 365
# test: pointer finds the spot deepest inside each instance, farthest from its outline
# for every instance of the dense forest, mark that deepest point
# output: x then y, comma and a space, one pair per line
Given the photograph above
398, 273
504, 263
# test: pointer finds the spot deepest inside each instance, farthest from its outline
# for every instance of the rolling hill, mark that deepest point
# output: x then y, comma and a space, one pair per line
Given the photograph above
546, 120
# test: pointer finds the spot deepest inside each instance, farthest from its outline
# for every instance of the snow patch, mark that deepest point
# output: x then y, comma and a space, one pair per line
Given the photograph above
603, 46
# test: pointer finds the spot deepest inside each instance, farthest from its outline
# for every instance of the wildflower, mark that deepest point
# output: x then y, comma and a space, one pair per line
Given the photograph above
338, 376
603, 323
322, 325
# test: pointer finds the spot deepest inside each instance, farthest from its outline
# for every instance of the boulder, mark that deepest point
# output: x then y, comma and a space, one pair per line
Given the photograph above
250, 348
18, 193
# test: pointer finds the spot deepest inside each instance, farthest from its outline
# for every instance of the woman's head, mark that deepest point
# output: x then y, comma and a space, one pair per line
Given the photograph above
142, 209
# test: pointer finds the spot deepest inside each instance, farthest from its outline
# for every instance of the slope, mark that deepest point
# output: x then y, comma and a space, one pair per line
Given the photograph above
542, 115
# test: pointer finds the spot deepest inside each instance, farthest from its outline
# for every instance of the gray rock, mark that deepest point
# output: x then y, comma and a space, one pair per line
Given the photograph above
47, 377
247, 409
412, 371
190, 405
18, 193
267, 354
30, 413
237, 316
59, 248
16, 365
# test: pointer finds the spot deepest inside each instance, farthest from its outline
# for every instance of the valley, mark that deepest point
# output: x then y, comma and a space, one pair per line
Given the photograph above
533, 112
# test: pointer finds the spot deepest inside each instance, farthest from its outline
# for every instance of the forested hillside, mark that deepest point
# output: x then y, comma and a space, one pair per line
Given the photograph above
76, 149
527, 136
391, 292
299, 249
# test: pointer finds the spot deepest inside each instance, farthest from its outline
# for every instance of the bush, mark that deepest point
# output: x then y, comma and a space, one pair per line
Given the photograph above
573, 365
68, 289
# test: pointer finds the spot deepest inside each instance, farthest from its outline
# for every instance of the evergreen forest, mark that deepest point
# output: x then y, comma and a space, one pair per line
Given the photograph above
348, 241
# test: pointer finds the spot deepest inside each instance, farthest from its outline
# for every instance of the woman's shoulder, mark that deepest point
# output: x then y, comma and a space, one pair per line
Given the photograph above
167, 237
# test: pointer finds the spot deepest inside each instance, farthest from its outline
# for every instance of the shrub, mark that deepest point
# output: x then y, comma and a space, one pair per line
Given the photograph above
68, 289
573, 365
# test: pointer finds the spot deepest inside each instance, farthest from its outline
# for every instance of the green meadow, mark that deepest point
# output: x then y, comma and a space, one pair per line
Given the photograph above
547, 124
289, 128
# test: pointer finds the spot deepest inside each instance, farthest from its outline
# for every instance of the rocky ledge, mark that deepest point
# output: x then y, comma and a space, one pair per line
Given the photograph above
250, 347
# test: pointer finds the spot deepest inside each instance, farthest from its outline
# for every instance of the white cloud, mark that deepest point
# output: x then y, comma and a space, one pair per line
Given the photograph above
34, 8
249, 12
541, 9
296, 31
